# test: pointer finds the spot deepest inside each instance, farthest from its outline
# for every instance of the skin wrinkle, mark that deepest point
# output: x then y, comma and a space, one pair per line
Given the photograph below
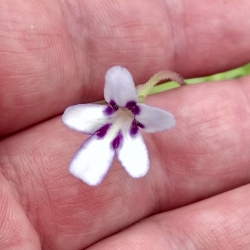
160, 202
243, 88
154, 187
19, 179
224, 33
49, 204
205, 160
180, 38
174, 47
226, 229
25, 188
79, 41
186, 226
123, 32
71, 42
13, 221
19, 44
9, 174
182, 241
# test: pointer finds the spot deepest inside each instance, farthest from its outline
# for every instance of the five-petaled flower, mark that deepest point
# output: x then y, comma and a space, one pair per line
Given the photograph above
114, 129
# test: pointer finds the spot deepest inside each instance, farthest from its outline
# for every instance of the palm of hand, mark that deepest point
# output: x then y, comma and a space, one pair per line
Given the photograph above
52, 61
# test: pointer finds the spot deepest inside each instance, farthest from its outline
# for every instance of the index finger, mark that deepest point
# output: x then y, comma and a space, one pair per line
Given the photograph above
55, 54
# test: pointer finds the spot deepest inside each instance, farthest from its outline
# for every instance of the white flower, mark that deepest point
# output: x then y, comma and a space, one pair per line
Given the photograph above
114, 129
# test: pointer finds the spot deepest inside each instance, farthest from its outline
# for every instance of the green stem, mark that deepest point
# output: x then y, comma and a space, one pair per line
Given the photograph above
144, 89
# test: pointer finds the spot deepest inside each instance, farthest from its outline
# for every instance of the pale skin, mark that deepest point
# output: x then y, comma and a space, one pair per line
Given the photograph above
55, 54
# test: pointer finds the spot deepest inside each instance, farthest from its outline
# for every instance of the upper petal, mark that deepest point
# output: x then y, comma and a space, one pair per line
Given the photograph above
92, 160
87, 118
133, 155
119, 86
154, 119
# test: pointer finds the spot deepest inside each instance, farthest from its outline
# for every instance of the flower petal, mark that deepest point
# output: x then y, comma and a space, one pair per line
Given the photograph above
92, 161
133, 155
87, 118
154, 119
119, 86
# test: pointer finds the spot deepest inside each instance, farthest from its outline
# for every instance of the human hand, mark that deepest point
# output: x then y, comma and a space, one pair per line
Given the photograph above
55, 54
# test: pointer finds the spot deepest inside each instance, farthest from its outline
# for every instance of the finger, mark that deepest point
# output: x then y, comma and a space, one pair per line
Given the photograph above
37, 63
16, 232
221, 222
49, 61
205, 154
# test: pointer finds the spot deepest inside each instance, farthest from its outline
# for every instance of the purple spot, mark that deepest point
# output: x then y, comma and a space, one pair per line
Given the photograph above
133, 130
136, 123
114, 105
135, 127
110, 109
117, 141
133, 107
101, 132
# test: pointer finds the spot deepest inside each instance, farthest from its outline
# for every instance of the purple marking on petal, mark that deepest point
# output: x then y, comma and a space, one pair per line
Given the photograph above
114, 105
117, 141
138, 124
133, 130
135, 127
103, 130
133, 107
109, 110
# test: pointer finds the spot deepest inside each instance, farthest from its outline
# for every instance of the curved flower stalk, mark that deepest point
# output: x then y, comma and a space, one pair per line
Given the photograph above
114, 129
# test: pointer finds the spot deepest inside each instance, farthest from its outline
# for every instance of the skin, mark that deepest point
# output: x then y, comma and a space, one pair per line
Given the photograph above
55, 54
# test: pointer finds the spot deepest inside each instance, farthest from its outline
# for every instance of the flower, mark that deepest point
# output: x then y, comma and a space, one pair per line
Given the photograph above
114, 129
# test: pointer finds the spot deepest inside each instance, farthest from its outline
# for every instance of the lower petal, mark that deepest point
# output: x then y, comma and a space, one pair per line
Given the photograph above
92, 161
133, 155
